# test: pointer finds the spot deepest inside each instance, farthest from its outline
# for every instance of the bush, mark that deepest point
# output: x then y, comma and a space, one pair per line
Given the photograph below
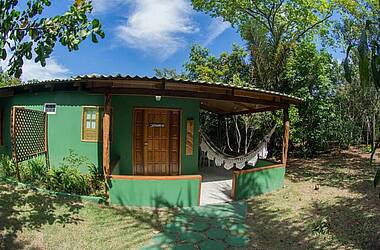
34, 171
74, 159
68, 179
7, 166
96, 179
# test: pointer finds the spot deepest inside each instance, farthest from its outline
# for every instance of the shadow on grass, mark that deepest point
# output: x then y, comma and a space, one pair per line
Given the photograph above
354, 222
348, 169
23, 208
329, 203
210, 227
271, 230
347, 223
24, 212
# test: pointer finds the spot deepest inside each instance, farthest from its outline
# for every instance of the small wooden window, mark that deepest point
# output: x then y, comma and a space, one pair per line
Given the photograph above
91, 124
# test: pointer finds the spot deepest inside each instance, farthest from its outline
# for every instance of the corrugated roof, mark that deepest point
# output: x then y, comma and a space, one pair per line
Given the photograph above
80, 78
181, 80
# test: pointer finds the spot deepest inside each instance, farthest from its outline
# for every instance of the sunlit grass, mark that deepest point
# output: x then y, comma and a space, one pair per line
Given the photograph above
39, 221
327, 203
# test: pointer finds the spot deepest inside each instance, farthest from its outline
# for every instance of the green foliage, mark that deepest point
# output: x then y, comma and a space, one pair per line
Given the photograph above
96, 180
167, 73
311, 74
7, 80
366, 149
26, 34
65, 178
321, 226
239, 133
34, 171
368, 54
232, 68
74, 159
296, 16
7, 166
273, 28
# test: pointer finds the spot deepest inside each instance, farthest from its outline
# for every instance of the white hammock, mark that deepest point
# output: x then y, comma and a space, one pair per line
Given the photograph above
227, 161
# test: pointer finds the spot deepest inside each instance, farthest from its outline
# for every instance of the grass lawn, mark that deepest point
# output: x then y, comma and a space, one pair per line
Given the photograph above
327, 203
34, 220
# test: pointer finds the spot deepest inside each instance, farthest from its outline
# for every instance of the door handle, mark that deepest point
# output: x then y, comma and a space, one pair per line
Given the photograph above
145, 143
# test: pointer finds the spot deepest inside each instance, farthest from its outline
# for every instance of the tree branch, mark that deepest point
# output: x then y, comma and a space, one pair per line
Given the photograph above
253, 14
312, 27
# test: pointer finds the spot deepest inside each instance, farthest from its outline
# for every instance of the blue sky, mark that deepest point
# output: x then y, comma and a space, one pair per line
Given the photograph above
140, 35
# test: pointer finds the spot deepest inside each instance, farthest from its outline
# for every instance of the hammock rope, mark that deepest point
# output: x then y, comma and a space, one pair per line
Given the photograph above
213, 153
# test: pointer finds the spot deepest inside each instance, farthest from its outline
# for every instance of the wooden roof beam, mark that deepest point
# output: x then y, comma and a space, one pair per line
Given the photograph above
189, 94
7, 92
251, 111
213, 109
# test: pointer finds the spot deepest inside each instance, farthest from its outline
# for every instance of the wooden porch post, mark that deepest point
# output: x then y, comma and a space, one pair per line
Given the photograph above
106, 135
285, 141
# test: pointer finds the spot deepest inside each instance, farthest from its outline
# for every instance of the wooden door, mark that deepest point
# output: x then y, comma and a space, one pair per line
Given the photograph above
156, 142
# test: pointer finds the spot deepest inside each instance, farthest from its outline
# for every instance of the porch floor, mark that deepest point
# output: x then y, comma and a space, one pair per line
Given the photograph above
216, 185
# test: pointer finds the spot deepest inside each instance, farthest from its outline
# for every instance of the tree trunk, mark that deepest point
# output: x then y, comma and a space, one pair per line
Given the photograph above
227, 136
238, 134
374, 146
246, 136
368, 130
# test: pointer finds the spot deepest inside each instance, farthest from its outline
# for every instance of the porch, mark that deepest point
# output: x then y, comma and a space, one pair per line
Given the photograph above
216, 185
160, 167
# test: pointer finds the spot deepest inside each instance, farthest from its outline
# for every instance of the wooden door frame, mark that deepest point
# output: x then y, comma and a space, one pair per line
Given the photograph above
180, 135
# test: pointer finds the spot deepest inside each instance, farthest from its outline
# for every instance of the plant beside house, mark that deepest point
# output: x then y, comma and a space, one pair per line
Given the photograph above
65, 178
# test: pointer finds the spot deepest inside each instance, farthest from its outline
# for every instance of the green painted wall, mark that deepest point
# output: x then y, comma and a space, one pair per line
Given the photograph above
154, 193
260, 163
255, 183
64, 128
122, 113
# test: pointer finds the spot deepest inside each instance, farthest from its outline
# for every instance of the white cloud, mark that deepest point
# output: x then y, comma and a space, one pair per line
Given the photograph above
52, 70
34, 71
100, 6
157, 27
215, 29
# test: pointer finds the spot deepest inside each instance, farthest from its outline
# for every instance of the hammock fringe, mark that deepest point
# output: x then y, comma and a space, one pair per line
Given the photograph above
213, 153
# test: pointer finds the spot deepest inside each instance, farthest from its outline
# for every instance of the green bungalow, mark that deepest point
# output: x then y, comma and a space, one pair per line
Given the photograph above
143, 132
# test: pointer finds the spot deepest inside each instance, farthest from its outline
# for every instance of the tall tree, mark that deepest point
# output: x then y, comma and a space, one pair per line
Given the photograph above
363, 53
231, 68
25, 33
273, 28
368, 56
310, 73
